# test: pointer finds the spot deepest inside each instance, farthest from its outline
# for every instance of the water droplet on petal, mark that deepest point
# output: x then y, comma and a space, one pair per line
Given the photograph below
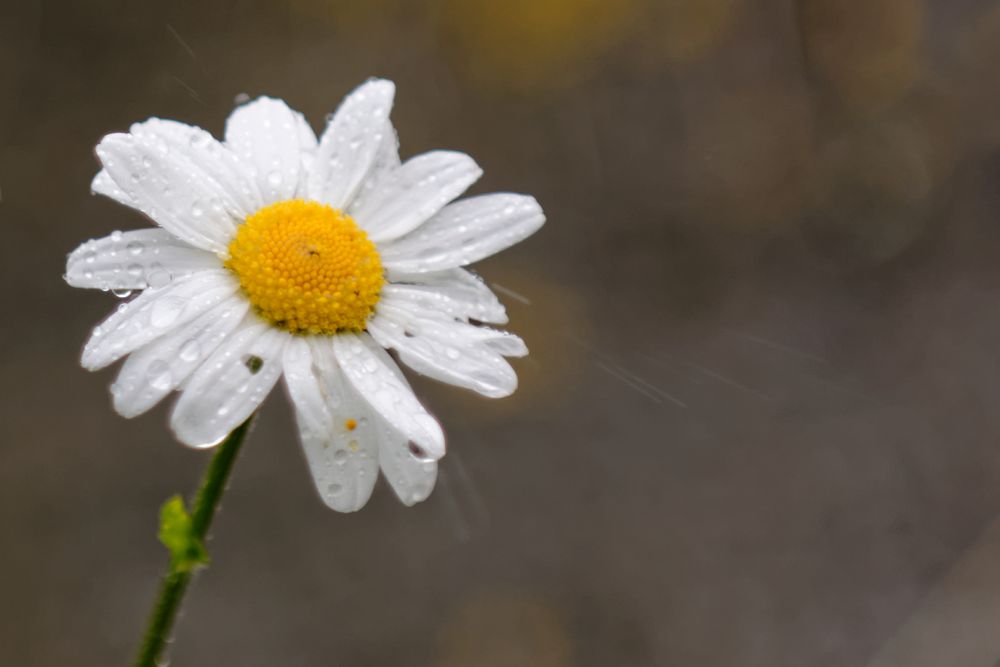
158, 277
190, 350
159, 375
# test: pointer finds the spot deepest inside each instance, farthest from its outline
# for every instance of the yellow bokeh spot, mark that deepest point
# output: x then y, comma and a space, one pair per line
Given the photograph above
307, 268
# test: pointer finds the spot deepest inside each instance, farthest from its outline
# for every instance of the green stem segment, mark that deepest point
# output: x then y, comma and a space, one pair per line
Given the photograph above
178, 577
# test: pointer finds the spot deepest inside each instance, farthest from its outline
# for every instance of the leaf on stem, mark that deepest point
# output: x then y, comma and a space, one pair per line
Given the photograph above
187, 552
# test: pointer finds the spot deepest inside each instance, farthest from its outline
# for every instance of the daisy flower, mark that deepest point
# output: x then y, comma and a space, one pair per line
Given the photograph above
277, 255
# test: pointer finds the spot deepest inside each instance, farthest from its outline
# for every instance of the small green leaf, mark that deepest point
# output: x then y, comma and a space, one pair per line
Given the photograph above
186, 550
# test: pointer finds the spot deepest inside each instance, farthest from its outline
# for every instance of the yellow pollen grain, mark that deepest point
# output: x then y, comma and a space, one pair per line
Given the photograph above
307, 268
350, 424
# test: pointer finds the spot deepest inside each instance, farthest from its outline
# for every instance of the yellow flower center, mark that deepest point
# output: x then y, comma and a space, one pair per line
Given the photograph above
307, 268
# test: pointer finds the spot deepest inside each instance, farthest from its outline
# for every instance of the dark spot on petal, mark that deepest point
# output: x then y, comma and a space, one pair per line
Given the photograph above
253, 363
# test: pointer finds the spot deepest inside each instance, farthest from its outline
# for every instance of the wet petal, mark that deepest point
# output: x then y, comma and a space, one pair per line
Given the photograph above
456, 293
444, 351
414, 192
152, 372
349, 146
154, 313
266, 135
168, 187
335, 427
371, 372
465, 232
229, 385
135, 260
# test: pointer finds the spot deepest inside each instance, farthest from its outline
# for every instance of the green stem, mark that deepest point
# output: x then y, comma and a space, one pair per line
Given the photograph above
175, 582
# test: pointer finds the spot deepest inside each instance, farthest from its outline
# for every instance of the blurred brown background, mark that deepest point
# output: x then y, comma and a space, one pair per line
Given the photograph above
759, 424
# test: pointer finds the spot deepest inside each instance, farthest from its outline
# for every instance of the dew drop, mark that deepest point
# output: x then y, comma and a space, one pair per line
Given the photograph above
190, 350
334, 489
275, 178
159, 375
135, 248
340, 455
121, 293
158, 277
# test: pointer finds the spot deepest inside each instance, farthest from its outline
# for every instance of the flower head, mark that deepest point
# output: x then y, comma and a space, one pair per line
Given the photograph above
280, 256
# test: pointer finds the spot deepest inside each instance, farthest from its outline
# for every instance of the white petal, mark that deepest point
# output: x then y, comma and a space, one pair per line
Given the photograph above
266, 134
348, 148
457, 293
308, 145
414, 311
465, 232
154, 371
230, 384
154, 313
306, 136
133, 260
501, 342
413, 193
238, 193
411, 477
383, 168
444, 351
370, 371
103, 184
342, 455
168, 187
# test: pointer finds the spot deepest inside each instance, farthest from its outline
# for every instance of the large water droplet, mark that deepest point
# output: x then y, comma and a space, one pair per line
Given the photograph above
159, 375
158, 277
190, 350
135, 247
